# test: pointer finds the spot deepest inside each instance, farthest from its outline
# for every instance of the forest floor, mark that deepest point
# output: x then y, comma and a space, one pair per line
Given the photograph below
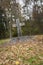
23, 52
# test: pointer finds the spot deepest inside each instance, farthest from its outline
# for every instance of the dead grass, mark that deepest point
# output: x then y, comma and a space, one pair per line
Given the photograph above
23, 53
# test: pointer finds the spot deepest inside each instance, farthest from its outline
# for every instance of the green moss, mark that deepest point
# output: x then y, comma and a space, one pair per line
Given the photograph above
31, 60
30, 48
4, 40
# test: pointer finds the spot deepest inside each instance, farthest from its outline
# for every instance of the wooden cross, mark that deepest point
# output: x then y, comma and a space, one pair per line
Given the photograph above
18, 25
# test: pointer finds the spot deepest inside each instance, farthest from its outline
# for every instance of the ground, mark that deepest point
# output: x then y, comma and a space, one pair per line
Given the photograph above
23, 53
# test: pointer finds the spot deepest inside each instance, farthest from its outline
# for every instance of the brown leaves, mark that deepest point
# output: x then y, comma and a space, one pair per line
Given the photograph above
25, 53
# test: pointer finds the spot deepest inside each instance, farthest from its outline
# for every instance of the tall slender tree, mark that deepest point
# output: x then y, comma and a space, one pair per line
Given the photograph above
2, 23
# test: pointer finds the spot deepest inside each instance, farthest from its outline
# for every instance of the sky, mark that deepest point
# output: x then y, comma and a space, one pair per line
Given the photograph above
21, 2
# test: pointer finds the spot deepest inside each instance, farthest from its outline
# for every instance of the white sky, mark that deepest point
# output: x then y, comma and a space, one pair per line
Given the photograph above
20, 1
